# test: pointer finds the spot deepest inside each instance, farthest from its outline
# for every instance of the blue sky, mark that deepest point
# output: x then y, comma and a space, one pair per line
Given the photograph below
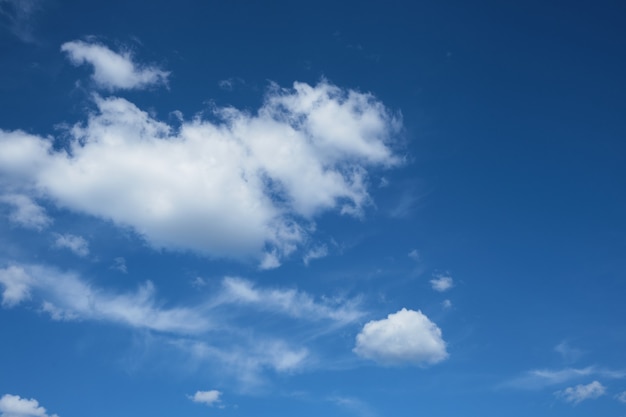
354, 209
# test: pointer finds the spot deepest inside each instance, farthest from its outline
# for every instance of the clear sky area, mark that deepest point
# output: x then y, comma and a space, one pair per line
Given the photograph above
349, 208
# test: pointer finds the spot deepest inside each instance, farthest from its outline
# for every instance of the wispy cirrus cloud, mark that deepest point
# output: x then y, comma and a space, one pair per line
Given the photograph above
238, 348
288, 301
542, 378
249, 359
65, 296
18, 16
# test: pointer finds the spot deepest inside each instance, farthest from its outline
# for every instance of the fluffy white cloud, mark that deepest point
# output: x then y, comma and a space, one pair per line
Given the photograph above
210, 398
113, 70
76, 244
290, 302
16, 406
581, 392
442, 283
65, 297
404, 337
249, 185
26, 212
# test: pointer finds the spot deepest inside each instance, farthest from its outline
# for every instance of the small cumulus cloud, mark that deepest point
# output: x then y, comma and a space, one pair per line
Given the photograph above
76, 244
442, 283
579, 393
16, 406
405, 337
113, 70
210, 398
447, 304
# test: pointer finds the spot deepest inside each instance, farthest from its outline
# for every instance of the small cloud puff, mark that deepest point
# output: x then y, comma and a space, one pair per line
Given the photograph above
15, 406
113, 70
405, 337
209, 398
76, 244
415, 255
580, 393
442, 283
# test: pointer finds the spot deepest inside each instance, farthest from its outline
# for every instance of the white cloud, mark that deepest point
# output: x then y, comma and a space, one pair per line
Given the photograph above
446, 304
621, 397
16, 406
569, 353
119, 264
581, 392
415, 255
248, 186
26, 212
76, 244
113, 70
209, 398
442, 283
16, 284
248, 359
65, 297
290, 302
541, 378
404, 337
316, 252
270, 261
